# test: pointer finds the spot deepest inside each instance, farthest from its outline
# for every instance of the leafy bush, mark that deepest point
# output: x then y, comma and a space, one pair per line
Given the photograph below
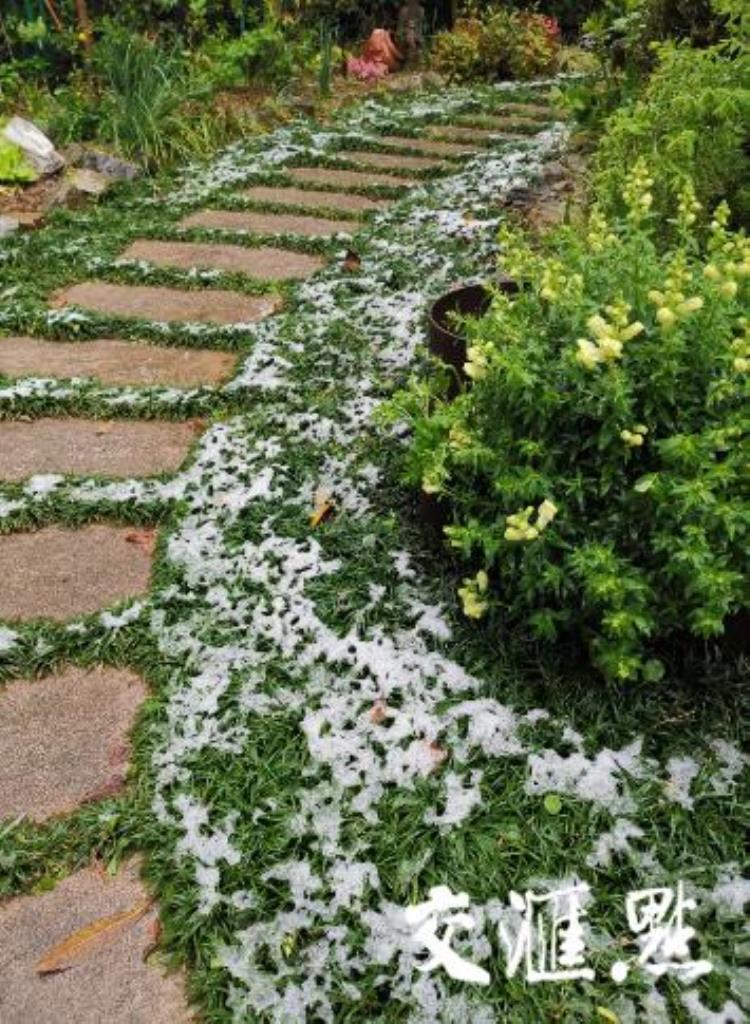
266, 55
13, 166
597, 468
501, 44
692, 123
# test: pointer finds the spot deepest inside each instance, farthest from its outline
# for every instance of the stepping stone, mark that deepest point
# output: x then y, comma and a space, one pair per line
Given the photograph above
346, 179
261, 264
458, 131
504, 125
112, 983
344, 202
395, 160
436, 148
117, 448
58, 573
64, 740
169, 304
267, 223
115, 362
531, 110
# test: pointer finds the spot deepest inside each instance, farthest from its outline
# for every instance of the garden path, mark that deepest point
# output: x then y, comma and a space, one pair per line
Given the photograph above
224, 617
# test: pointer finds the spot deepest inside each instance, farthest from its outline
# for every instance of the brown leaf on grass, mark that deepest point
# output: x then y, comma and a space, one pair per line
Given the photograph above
154, 938
144, 539
197, 425
89, 939
435, 754
352, 262
323, 507
104, 428
378, 712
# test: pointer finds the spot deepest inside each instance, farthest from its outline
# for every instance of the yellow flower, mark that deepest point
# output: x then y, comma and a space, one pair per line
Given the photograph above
477, 365
588, 354
691, 305
666, 317
741, 365
729, 289
545, 514
471, 594
712, 272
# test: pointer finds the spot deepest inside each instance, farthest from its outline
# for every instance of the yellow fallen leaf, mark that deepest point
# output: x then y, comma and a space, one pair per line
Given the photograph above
608, 1015
323, 506
91, 937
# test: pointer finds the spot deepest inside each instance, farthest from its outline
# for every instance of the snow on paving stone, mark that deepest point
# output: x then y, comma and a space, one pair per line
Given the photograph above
378, 703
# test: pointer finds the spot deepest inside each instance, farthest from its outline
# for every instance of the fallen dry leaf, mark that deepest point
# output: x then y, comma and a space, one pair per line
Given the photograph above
104, 428
436, 754
89, 939
378, 712
144, 539
352, 262
323, 506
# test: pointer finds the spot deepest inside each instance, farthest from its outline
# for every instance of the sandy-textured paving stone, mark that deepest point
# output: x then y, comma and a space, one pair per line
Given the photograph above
395, 160
64, 740
502, 123
437, 148
344, 202
268, 223
461, 131
263, 263
346, 179
116, 362
139, 302
530, 110
113, 984
117, 448
59, 573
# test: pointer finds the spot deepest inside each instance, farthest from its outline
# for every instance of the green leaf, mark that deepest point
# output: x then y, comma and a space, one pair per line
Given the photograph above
645, 483
552, 803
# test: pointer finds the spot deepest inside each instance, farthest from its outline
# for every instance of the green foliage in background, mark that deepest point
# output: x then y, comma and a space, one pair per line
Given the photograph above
500, 44
13, 166
691, 122
596, 467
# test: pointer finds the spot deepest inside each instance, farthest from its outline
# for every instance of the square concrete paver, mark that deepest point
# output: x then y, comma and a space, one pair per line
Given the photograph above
429, 147
264, 263
116, 448
268, 223
347, 179
64, 740
58, 573
344, 202
112, 984
115, 362
168, 304
395, 160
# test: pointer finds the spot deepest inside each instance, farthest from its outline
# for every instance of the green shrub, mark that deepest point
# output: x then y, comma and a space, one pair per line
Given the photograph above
597, 467
692, 123
13, 166
498, 45
266, 55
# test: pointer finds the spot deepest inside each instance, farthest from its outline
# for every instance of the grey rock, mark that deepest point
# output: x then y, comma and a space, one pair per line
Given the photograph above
80, 187
89, 159
34, 145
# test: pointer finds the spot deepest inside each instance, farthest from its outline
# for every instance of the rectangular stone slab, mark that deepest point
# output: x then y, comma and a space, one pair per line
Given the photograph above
394, 160
262, 264
64, 739
140, 302
114, 984
462, 131
422, 145
345, 202
347, 179
58, 574
115, 362
268, 223
119, 448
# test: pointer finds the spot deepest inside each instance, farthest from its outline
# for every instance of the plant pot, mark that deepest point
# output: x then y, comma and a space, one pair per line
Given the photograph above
447, 343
